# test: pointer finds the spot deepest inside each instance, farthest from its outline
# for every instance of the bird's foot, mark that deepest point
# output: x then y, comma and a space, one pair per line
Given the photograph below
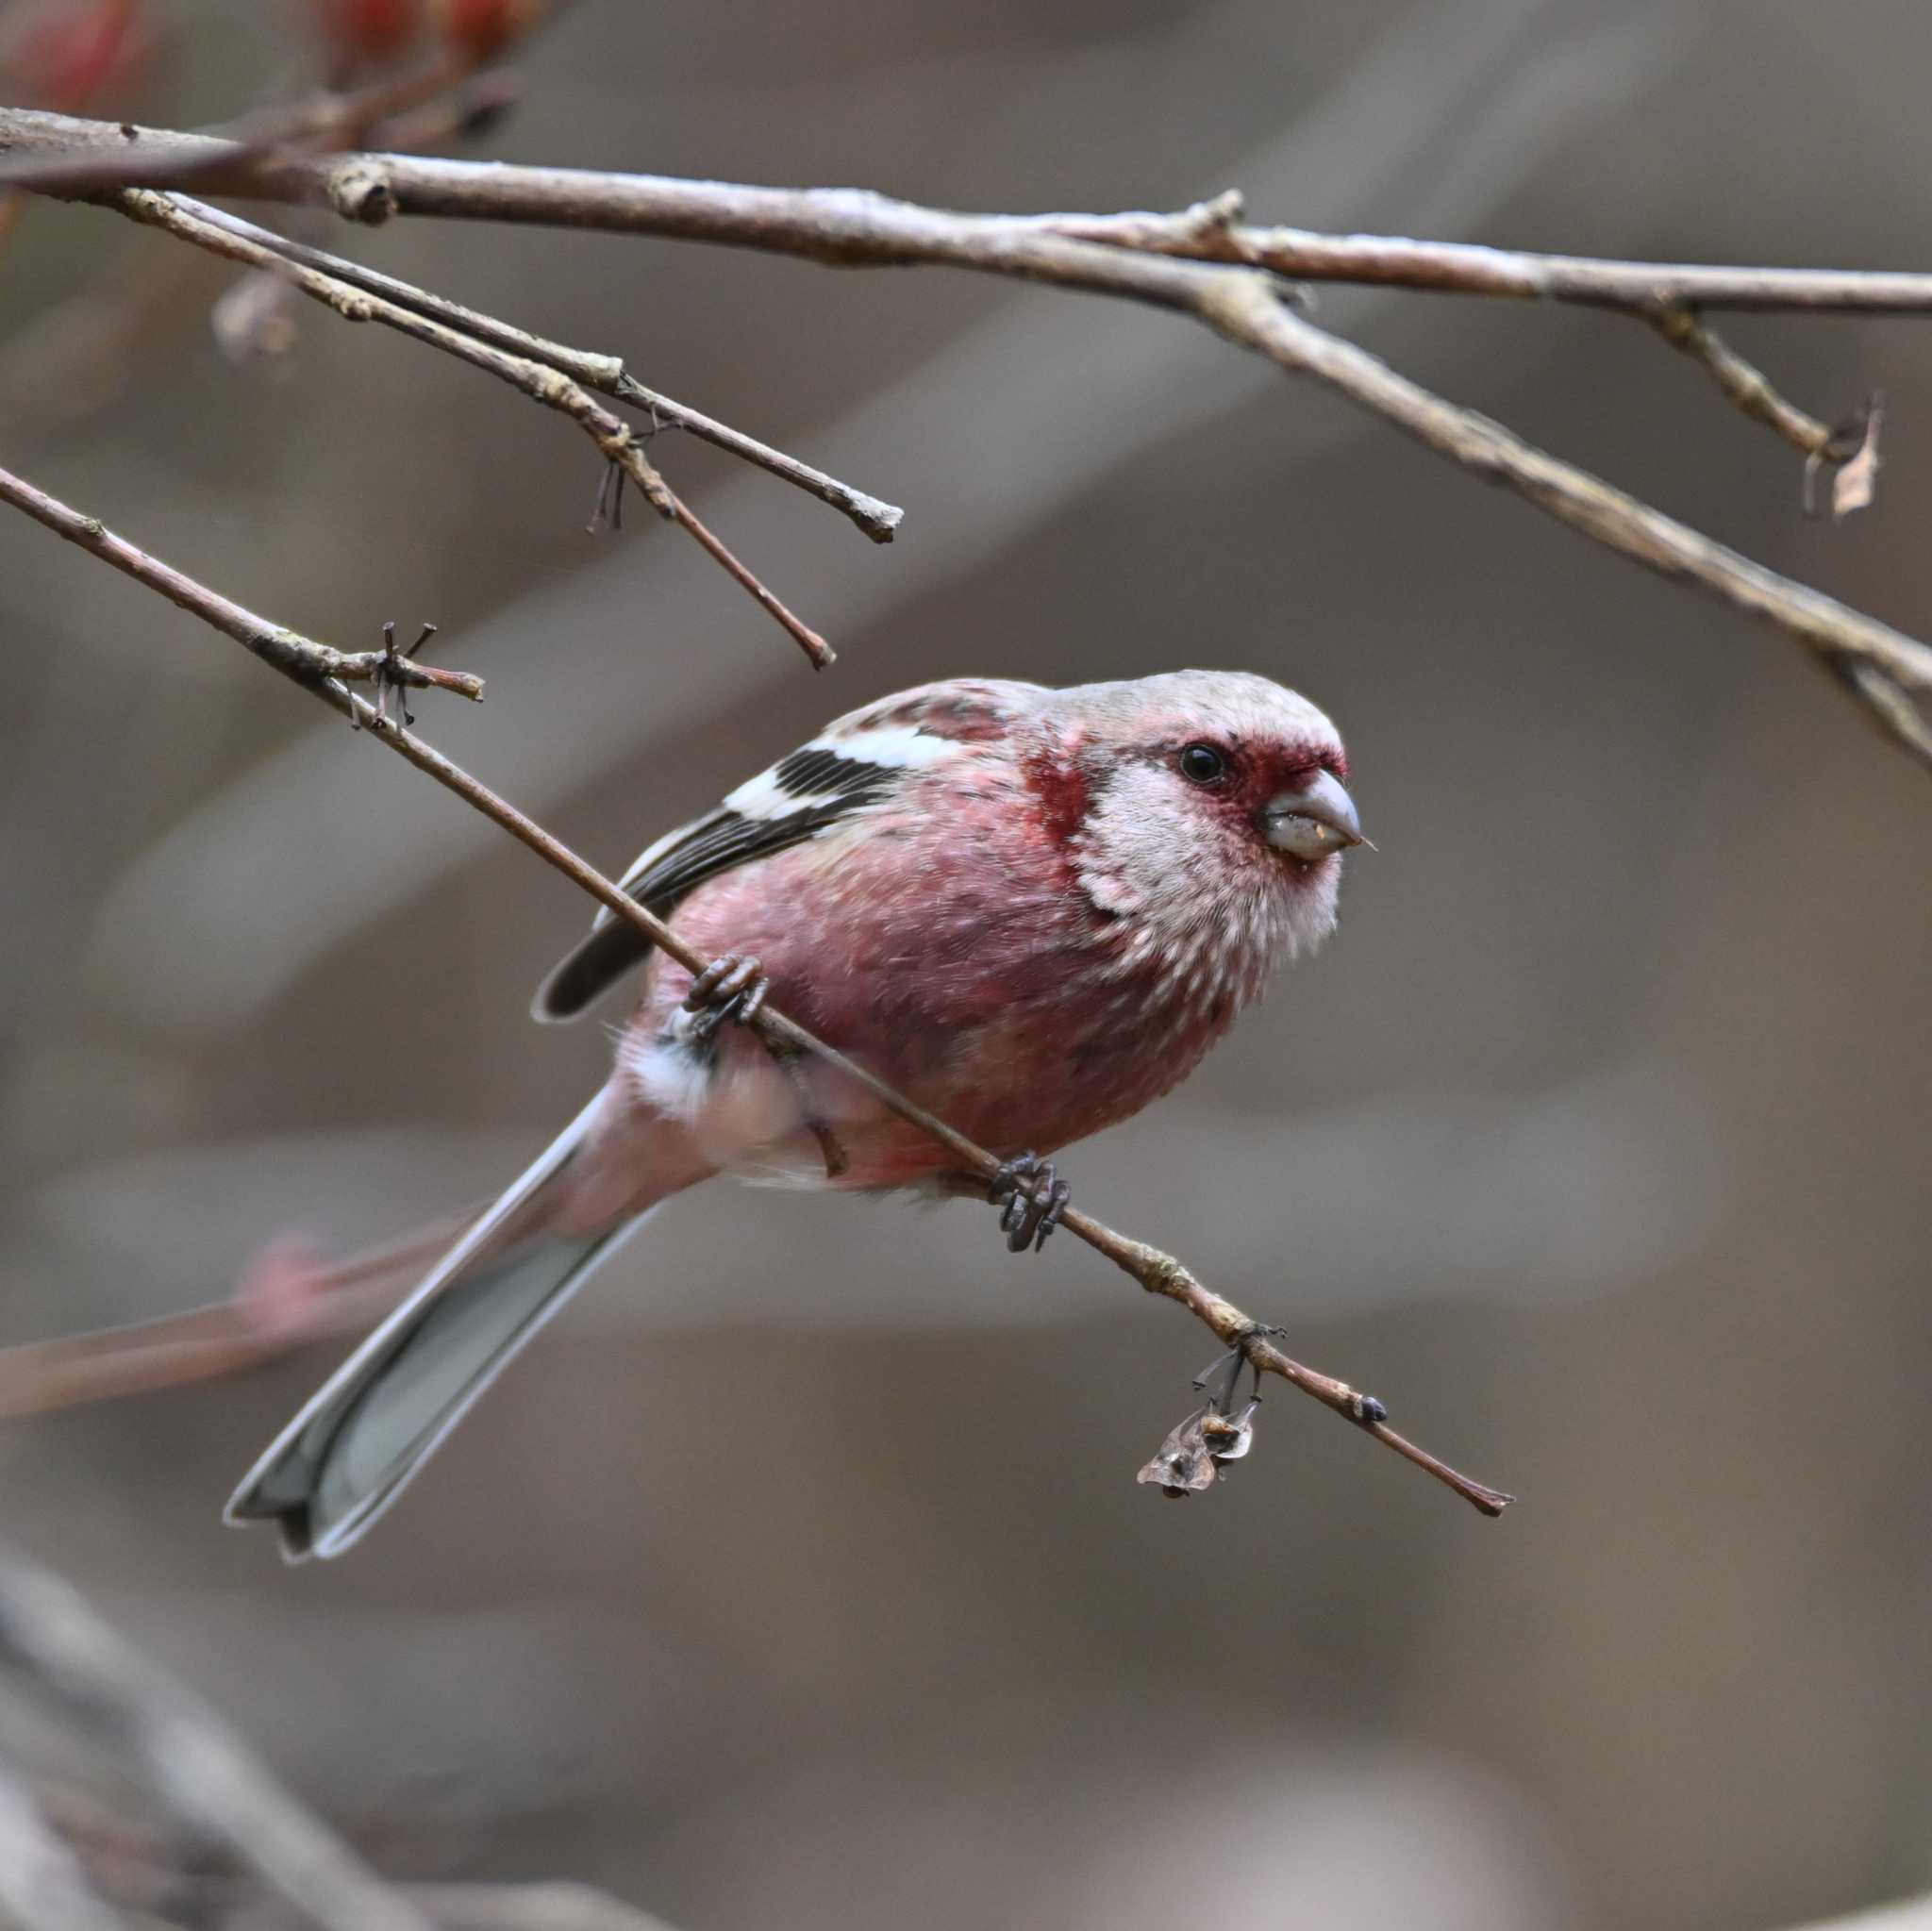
733, 987
1031, 1197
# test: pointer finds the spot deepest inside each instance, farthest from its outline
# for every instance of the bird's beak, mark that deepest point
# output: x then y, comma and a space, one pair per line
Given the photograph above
1314, 822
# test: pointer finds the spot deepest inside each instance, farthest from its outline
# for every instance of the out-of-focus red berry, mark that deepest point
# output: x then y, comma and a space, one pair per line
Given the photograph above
369, 29
484, 28
62, 56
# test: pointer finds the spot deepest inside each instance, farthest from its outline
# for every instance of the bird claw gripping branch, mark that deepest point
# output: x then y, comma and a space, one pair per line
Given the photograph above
1031, 1197
388, 673
732, 987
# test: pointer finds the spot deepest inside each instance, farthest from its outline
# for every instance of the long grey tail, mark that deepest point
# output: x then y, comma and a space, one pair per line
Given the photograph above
379, 1417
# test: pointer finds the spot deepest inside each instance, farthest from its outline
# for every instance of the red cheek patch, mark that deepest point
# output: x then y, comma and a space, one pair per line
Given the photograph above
1060, 786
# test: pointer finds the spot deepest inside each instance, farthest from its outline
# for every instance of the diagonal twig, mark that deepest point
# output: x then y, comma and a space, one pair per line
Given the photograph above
542, 382
1743, 383
605, 373
52, 1641
1155, 1270
1211, 230
1248, 313
282, 1304
43, 1884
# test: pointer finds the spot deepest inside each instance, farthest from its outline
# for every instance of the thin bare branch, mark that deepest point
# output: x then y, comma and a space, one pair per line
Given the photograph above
605, 374
1246, 311
544, 383
1212, 231
149, 1865
43, 1884
1891, 708
66, 1847
1158, 1272
78, 155
462, 114
55, 1644
204, 1344
314, 665
268, 143
284, 1302
852, 227
1741, 382
529, 1907
669, 503
879, 519
1663, 294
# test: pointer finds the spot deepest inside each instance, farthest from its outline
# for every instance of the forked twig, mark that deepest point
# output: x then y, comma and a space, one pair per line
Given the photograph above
541, 381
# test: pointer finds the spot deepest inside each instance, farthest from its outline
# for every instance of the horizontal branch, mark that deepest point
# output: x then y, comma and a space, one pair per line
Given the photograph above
281, 1304
1158, 1272
1212, 231
61, 153
1180, 264
372, 188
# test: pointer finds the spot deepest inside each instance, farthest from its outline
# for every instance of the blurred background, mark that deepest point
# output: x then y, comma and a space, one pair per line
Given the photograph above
799, 1577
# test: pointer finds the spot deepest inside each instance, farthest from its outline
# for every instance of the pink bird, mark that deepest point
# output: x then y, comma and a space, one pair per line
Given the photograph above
1031, 910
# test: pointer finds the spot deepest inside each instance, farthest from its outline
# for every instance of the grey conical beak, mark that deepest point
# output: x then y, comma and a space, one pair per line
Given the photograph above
1314, 822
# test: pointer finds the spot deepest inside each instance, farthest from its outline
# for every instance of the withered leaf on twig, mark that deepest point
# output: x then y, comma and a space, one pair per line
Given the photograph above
1191, 1458
1855, 484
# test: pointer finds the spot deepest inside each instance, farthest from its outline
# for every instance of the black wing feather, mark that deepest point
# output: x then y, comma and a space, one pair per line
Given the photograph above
836, 786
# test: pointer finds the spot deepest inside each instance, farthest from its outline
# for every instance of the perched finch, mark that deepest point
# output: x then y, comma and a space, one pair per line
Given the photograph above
1031, 910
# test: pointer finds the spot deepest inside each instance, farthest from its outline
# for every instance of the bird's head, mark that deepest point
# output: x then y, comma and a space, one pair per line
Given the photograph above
1209, 798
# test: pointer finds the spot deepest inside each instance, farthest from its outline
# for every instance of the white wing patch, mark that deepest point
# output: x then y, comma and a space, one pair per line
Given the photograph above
817, 786
810, 776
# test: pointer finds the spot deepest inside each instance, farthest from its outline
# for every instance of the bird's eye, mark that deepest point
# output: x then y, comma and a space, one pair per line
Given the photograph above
1202, 764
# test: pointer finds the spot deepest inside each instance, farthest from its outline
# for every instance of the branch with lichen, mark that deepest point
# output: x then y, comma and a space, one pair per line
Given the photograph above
305, 661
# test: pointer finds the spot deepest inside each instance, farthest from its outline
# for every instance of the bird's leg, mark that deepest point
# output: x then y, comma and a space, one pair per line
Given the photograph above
1031, 1197
608, 510
1233, 1361
733, 987
834, 1154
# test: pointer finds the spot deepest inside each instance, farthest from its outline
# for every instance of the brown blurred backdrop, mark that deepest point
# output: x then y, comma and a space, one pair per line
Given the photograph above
1595, 1144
